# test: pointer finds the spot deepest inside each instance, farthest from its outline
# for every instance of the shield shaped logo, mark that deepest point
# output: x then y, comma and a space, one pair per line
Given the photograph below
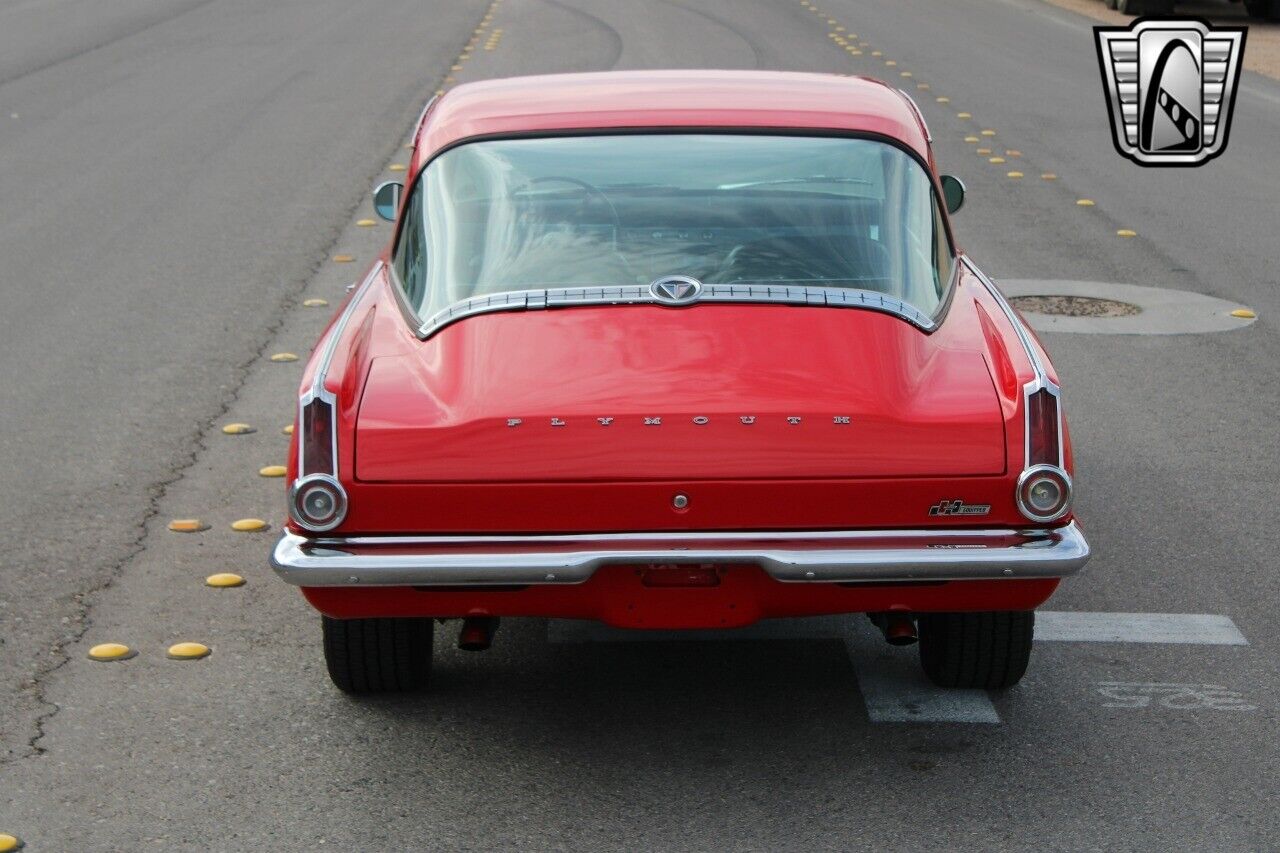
676, 290
1170, 87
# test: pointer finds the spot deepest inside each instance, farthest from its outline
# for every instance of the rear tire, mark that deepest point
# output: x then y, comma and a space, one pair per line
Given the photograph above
986, 651
378, 655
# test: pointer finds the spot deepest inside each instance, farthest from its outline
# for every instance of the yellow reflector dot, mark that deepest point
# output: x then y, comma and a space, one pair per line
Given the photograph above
1049, 176
283, 357
983, 151
890, 62
249, 525
288, 430
187, 525
972, 139
343, 259
271, 471
1012, 153
996, 160
9, 842
876, 53
396, 167
224, 580
854, 51
188, 651
366, 223
1244, 313
237, 429
943, 100
1015, 174
964, 115
409, 145
905, 74
1084, 202
451, 68
315, 303
108, 652
1125, 232
988, 132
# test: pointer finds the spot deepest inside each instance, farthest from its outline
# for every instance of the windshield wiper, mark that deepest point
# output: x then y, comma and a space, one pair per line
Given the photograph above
810, 179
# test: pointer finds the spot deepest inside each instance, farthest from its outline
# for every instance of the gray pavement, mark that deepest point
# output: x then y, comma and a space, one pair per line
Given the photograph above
179, 177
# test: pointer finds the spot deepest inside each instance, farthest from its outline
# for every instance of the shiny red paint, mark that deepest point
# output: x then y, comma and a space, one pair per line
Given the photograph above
617, 596
423, 445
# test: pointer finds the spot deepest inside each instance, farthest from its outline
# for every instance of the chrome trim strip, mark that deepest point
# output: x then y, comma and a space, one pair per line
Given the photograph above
317, 389
815, 556
639, 294
911, 102
1041, 380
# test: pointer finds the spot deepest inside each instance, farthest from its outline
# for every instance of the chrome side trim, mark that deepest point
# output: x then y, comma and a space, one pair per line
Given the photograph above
814, 556
317, 389
1041, 380
565, 297
911, 102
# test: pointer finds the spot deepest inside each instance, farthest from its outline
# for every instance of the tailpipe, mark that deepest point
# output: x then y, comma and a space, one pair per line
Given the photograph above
477, 633
899, 629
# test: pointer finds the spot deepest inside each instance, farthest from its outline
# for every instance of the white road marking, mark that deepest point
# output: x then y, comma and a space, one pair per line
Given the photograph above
1190, 628
895, 689
1180, 697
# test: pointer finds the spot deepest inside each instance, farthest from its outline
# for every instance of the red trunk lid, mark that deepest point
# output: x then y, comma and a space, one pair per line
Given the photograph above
707, 392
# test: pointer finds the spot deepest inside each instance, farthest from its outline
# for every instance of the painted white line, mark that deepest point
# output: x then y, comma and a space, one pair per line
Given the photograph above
895, 689
1190, 628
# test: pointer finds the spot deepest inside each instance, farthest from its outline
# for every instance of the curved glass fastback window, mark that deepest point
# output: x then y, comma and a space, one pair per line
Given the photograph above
523, 214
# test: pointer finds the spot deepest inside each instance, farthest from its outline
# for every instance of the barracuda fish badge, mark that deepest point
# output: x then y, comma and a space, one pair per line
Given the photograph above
1170, 86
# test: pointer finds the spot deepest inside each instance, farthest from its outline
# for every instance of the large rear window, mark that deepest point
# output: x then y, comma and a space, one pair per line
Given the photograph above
524, 214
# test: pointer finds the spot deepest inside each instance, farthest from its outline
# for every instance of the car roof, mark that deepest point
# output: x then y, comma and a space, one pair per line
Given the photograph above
668, 99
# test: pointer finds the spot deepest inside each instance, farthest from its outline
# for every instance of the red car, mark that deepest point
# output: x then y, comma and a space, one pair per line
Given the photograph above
677, 350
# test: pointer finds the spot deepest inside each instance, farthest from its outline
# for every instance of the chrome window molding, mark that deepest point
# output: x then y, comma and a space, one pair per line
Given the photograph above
639, 294
911, 102
1041, 380
317, 391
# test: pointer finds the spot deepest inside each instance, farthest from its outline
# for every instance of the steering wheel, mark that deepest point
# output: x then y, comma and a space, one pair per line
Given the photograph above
591, 190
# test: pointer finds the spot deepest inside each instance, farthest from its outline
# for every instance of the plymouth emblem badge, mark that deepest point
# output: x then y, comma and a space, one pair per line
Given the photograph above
676, 290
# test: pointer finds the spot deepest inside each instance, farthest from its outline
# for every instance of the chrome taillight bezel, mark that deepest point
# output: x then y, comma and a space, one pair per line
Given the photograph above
1029, 477
297, 495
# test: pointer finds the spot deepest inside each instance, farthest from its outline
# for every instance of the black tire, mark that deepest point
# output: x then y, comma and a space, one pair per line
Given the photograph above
986, 651
378, 655
1263, 10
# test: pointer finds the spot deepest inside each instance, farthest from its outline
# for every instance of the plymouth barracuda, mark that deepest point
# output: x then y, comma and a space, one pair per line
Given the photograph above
677, 350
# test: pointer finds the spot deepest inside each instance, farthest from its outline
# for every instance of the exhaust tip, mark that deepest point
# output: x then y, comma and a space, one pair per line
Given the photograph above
477, 633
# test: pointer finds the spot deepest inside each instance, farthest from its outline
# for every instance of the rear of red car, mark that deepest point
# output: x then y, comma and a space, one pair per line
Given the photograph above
758, 383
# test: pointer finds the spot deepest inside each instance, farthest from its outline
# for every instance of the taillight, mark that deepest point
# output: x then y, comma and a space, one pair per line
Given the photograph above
317, 439
318, 502
1044, 493
1042, 429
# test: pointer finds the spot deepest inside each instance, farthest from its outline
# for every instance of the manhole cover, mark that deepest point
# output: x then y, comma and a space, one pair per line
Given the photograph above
1074, 306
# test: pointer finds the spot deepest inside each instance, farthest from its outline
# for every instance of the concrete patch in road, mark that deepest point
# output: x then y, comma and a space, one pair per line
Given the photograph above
1163, 311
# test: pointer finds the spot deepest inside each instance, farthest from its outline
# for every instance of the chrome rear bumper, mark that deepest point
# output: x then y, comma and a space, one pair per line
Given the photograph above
793, 556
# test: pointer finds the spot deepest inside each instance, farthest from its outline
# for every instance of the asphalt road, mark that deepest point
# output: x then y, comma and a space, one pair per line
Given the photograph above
175, 178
